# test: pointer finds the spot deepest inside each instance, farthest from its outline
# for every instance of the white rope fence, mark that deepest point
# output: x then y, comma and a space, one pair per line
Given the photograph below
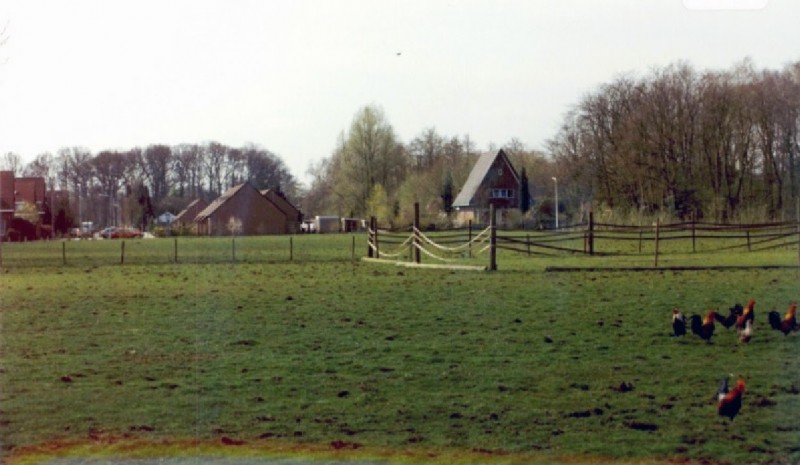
400, 250
480, 237
409, 243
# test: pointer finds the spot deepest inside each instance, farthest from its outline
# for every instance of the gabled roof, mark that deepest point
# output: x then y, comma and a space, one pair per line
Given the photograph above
218, 202
281, 202
478, 174
187, 214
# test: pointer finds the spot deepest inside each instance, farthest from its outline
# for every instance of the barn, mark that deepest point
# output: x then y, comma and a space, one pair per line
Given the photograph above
243, 210
186, 216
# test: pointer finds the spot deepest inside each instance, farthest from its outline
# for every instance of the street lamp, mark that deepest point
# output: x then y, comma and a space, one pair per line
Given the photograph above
556, 183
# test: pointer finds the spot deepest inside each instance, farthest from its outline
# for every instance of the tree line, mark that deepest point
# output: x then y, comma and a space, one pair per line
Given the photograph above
717, 145
133, 186
720, 145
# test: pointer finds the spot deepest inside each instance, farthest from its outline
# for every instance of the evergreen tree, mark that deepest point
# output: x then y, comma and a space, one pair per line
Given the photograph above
447, 193
525, 193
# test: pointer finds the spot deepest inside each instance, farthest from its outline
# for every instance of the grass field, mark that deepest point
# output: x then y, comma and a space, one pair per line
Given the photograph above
518, 364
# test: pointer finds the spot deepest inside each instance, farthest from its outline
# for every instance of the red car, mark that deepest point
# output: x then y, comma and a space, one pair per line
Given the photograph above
121, 233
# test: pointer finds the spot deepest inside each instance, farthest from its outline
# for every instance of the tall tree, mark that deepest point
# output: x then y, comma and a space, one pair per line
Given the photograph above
155, 163
447, 193
370, 155
12, 162
524, 192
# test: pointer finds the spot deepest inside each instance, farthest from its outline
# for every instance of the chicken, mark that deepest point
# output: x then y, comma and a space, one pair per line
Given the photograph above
730, 402
748, 314
746, 333
704, 327
678, 322
788, 323
730, 320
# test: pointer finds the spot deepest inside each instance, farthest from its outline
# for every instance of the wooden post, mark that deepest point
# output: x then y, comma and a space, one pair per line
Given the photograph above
371, 236
377, 241
492, 238
416, 234
291, 248
640, 241
176, 250
64, 253
353, 249
469, 239
747, 233
528, 243
658, 224
591, 233
122, 254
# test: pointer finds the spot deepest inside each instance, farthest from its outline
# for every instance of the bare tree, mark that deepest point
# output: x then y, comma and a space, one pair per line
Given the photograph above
12, 162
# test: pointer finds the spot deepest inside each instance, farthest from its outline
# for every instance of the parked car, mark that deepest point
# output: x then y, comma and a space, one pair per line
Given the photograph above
106, 233
114, 232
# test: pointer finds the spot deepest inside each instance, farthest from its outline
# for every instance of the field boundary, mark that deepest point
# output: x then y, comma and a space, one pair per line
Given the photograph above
573, 269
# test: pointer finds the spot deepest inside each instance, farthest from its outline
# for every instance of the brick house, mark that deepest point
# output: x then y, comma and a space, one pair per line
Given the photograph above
492, 181
7, 200
15, 191
244, 203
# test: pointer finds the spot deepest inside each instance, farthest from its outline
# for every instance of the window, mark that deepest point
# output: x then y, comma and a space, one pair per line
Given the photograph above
502, 193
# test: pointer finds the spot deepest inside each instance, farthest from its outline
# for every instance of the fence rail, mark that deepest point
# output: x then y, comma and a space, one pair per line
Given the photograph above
603, 239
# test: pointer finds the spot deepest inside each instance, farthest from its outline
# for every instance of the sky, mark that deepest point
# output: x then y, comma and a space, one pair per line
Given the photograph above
290, 75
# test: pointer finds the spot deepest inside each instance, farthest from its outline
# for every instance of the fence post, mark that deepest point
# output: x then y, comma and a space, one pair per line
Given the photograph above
658, 223
377, 241
176, 250
370, 236
591, 233
291, 248
492, 238
353, 249
416, 233
122, 254
528, 243
469, 239
640, 240
747, 233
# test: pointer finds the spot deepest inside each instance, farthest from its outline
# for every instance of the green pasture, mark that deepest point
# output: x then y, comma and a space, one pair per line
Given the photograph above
322, 348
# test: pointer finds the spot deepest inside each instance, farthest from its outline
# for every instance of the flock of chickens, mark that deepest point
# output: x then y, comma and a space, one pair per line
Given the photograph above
729, 401
740, 317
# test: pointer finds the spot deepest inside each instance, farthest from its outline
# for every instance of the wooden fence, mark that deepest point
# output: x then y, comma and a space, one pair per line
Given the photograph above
591, 238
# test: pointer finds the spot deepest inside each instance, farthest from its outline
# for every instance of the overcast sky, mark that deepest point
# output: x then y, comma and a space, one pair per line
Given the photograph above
289, 75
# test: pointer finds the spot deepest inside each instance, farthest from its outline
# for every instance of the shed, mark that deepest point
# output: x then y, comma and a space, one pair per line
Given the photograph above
326, 224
